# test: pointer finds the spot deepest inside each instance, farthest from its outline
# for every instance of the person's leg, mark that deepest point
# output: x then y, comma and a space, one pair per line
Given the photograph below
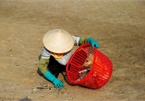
66, 78
39, 72
56, 68
52, 65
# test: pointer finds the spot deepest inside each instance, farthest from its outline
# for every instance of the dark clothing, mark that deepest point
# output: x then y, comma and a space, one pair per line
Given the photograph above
55, 67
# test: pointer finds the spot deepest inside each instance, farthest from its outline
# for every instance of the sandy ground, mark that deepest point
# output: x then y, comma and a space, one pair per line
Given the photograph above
119, 27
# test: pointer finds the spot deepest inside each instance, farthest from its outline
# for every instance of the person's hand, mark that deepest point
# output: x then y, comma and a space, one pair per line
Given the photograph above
58, 84
93, 42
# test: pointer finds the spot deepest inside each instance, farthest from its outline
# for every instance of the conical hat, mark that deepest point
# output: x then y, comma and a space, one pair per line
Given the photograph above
58, 41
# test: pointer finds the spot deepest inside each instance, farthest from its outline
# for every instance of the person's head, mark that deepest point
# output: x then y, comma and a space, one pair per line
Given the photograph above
58, 42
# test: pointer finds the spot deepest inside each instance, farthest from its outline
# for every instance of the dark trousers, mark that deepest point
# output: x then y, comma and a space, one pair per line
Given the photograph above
54, 67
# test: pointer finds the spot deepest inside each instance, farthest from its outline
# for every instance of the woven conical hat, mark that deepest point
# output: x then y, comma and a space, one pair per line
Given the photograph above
58, 41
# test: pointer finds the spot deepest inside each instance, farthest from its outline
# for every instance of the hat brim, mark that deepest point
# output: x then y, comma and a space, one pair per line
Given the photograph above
58, 41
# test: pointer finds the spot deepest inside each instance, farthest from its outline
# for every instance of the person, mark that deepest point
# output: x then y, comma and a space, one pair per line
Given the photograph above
56, 52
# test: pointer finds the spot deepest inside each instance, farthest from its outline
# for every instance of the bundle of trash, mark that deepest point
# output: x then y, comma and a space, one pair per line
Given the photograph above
87, 65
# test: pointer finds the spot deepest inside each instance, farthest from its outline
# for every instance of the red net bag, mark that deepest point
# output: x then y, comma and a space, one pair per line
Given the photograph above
89, 67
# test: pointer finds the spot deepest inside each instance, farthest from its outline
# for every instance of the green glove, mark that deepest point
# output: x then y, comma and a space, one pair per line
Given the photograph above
57, 83
93, 42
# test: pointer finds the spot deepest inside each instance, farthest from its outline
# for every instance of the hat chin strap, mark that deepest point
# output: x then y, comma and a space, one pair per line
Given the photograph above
57, 56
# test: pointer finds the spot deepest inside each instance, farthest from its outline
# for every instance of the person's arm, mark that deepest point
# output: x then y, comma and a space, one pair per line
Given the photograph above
43, 67
43, 63
44, 60
82, 40
79, 40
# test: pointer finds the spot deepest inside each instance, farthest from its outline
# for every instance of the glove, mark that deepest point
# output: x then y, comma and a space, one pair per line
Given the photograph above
93, 42
57, 83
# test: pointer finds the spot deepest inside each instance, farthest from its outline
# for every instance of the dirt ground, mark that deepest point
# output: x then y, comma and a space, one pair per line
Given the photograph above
118, 25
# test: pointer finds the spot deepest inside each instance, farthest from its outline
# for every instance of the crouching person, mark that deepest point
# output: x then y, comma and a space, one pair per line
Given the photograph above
56, 53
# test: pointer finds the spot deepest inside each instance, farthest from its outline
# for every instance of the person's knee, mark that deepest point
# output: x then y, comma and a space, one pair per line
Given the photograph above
39, 72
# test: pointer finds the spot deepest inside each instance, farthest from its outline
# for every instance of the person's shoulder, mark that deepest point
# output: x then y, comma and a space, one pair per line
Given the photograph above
45, 49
